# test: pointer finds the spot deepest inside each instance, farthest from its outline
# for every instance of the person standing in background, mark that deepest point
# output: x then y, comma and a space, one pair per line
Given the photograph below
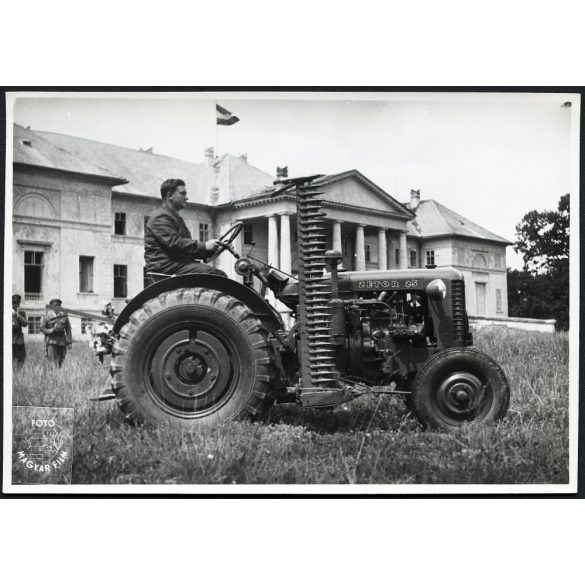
57, 329
19, 321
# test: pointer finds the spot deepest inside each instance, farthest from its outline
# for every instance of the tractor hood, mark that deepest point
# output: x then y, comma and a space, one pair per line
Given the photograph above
371, 280
417, 278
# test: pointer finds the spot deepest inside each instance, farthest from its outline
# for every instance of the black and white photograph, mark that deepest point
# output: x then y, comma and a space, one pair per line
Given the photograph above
308, 292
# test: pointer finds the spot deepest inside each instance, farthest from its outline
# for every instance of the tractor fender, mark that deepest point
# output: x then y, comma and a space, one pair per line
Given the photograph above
267, 314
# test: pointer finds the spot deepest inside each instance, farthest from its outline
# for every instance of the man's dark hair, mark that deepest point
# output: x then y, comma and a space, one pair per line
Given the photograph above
168, 187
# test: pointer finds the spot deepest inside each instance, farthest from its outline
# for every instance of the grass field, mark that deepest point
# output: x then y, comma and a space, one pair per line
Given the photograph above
369, 441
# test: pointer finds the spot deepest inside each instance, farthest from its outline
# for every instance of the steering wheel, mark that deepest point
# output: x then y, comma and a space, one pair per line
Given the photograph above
225, 241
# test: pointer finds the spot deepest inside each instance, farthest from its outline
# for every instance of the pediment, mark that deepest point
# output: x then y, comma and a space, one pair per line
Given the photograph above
355, 190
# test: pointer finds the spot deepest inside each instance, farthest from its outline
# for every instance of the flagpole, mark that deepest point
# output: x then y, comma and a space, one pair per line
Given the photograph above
216, 132
216, 170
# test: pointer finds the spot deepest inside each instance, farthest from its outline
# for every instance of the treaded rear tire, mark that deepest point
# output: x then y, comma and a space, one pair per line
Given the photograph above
181, 325
464, 371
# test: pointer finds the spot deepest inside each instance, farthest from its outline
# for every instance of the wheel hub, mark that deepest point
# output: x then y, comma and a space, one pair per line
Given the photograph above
191, 370
461, 395
461, 392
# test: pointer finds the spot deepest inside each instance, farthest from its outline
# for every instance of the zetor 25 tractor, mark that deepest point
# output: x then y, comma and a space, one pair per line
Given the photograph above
199, 350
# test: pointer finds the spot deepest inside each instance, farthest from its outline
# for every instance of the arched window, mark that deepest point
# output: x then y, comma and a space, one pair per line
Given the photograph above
34, 205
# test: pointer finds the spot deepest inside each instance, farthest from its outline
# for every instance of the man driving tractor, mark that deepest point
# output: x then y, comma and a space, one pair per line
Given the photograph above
168, 246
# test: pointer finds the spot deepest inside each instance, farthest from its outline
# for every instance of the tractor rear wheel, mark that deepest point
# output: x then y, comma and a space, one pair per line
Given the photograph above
459, 386
192, 357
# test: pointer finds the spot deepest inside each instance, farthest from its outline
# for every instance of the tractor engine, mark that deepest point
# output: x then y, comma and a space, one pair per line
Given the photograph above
378, 330
384, 325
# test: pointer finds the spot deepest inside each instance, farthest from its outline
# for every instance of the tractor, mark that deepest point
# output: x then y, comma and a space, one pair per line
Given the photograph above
198, 350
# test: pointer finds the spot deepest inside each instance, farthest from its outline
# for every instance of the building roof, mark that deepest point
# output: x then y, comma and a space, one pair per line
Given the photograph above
434, 220
143, 170
32, 148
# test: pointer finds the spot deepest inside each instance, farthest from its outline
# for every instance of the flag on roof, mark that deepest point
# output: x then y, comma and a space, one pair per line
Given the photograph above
225, 117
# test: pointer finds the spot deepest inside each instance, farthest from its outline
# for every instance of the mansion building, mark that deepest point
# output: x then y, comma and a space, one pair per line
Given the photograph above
80, 207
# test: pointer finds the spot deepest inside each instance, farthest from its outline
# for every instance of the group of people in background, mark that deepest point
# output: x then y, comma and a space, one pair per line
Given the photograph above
54, 325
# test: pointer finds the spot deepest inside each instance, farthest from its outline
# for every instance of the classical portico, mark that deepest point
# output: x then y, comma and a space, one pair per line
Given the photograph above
364, 223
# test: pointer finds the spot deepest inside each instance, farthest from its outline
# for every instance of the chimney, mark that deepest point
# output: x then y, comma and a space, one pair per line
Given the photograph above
244, 157
414, 199
281, 172
209, 155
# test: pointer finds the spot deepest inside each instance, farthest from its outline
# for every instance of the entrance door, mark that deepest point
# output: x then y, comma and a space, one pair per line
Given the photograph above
347, 250
480, 288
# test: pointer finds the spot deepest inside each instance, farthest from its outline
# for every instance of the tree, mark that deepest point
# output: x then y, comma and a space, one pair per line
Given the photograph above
543, 239
541, 290
538, 296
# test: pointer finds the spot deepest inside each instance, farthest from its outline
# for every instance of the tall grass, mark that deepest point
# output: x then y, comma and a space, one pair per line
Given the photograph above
371, 440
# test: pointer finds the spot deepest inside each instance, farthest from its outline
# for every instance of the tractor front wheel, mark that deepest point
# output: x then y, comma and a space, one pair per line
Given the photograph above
459, 386
192, 357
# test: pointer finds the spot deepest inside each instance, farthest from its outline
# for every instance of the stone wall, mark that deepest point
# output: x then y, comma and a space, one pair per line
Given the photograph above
545, 325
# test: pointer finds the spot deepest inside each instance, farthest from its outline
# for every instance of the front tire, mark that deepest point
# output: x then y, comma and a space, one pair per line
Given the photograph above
190, 358
457, 387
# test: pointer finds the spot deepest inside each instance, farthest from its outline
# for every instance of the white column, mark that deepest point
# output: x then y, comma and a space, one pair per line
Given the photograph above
337, 240
360, 249
285, 252
382, 253
337, 235
273, 241
403, 251
285, 264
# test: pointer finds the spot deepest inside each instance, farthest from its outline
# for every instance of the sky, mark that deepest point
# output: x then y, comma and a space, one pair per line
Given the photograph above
489, 157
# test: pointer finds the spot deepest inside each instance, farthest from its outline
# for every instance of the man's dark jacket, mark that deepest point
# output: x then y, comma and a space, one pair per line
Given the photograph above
167, 240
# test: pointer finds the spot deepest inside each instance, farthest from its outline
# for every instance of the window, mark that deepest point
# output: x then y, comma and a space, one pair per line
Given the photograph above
480, 290
368, 251
33, 275
396, 256
499, 300
146, 218
248, 234
84, 323
203, 232
120, 223
34, 324
430, 257
86, 274
120, 281
413, 257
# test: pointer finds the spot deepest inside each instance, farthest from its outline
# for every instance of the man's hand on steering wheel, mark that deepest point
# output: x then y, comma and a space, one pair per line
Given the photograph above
212, 246
224, 242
